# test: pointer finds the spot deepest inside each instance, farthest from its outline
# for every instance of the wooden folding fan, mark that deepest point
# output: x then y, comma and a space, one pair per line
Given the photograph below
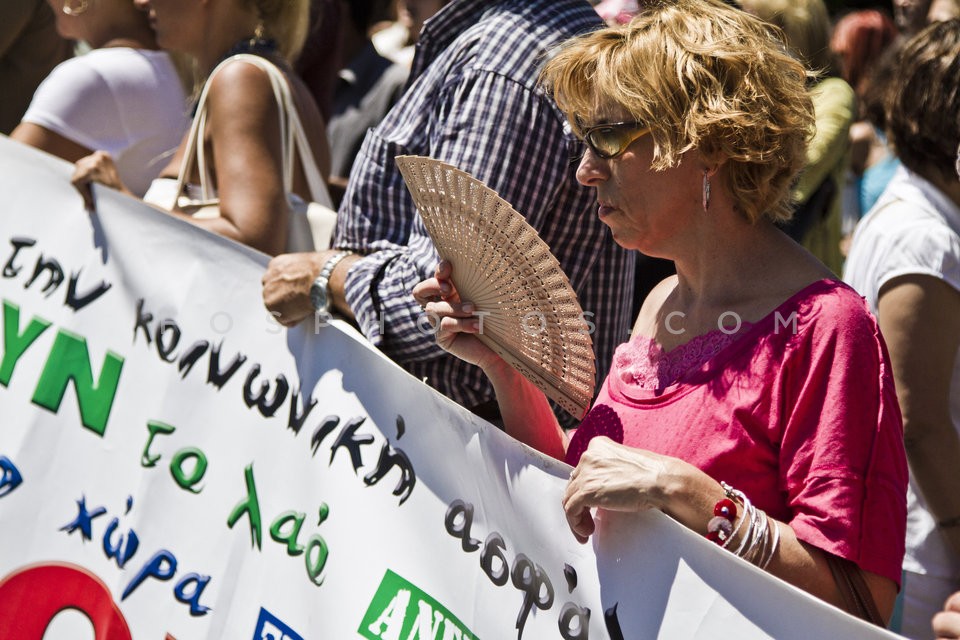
531, 316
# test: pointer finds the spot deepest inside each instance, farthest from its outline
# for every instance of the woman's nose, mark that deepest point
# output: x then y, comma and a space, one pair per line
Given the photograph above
592, 170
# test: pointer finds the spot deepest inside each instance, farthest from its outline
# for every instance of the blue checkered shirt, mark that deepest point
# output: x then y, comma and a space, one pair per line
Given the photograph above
472, 101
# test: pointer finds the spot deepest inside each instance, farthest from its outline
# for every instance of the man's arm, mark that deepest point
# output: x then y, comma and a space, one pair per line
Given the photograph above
504, 134
287, 282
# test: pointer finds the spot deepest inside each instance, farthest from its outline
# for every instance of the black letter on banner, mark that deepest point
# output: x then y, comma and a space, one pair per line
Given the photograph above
76, 302
462, 530
194, 353
530, 579
613, 623
569, 614
390, 458
163, 349
143, 323
217, 376
296, 419
327, 425
493, 548
349, 440
52, 267
9, 269
267, 409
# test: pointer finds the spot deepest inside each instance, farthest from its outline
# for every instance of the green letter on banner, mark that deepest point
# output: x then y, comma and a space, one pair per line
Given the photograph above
70, 360
401, 611
14, 342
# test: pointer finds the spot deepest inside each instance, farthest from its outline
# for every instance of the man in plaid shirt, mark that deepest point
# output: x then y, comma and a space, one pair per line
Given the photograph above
472, 101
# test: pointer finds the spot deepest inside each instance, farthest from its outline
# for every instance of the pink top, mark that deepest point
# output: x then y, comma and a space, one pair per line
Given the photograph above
798, 411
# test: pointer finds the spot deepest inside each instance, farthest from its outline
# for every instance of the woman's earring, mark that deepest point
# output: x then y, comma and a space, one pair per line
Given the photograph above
706, 191
956, 166
73, 11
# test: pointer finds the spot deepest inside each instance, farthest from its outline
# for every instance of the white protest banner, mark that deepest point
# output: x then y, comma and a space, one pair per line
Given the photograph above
174, 464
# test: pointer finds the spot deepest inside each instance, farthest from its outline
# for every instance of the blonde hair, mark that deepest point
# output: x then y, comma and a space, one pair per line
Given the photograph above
703, 76
286, 21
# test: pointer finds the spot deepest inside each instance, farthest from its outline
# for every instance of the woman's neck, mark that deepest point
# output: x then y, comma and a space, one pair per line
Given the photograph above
263, 47
131, 43
233, 26
133, 33
751, 262
948, 186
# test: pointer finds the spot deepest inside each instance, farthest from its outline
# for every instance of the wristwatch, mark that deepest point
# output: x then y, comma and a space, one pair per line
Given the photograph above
319, 290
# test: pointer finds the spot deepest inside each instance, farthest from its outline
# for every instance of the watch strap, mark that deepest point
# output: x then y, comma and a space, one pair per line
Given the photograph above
322, 283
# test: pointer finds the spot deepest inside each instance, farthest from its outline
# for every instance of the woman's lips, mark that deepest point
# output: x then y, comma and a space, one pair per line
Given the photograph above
604, 210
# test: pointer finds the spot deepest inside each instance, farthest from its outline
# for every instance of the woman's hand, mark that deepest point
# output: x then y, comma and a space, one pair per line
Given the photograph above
946, 624
524, 408
614, 477
96, 167
453, 320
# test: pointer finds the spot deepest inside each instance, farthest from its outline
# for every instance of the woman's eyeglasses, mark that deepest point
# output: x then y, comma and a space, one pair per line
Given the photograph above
610, 140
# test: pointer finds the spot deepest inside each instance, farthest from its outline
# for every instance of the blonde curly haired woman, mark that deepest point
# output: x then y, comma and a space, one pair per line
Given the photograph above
752, 366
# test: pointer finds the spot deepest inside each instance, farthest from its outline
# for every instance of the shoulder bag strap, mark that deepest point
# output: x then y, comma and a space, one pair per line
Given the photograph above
298, 141
857, 599
293, 134
195, 147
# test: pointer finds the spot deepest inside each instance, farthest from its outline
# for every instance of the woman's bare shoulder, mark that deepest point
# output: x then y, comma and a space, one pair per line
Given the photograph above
240, 74
242, 93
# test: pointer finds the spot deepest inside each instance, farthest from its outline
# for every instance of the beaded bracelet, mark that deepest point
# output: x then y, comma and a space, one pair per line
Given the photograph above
720, 528
761, 537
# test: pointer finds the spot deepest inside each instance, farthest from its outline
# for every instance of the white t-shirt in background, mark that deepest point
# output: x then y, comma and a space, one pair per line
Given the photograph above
128, 102
914, 229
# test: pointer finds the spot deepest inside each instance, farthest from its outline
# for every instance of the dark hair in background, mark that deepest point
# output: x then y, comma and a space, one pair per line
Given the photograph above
923, 105
838, 7
365, 13
876, 84
319, 60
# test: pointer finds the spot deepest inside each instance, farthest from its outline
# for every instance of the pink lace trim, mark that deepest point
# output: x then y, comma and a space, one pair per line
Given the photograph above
642, 362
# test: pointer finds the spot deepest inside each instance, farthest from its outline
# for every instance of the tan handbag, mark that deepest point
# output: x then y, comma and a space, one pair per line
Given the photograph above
311, 224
